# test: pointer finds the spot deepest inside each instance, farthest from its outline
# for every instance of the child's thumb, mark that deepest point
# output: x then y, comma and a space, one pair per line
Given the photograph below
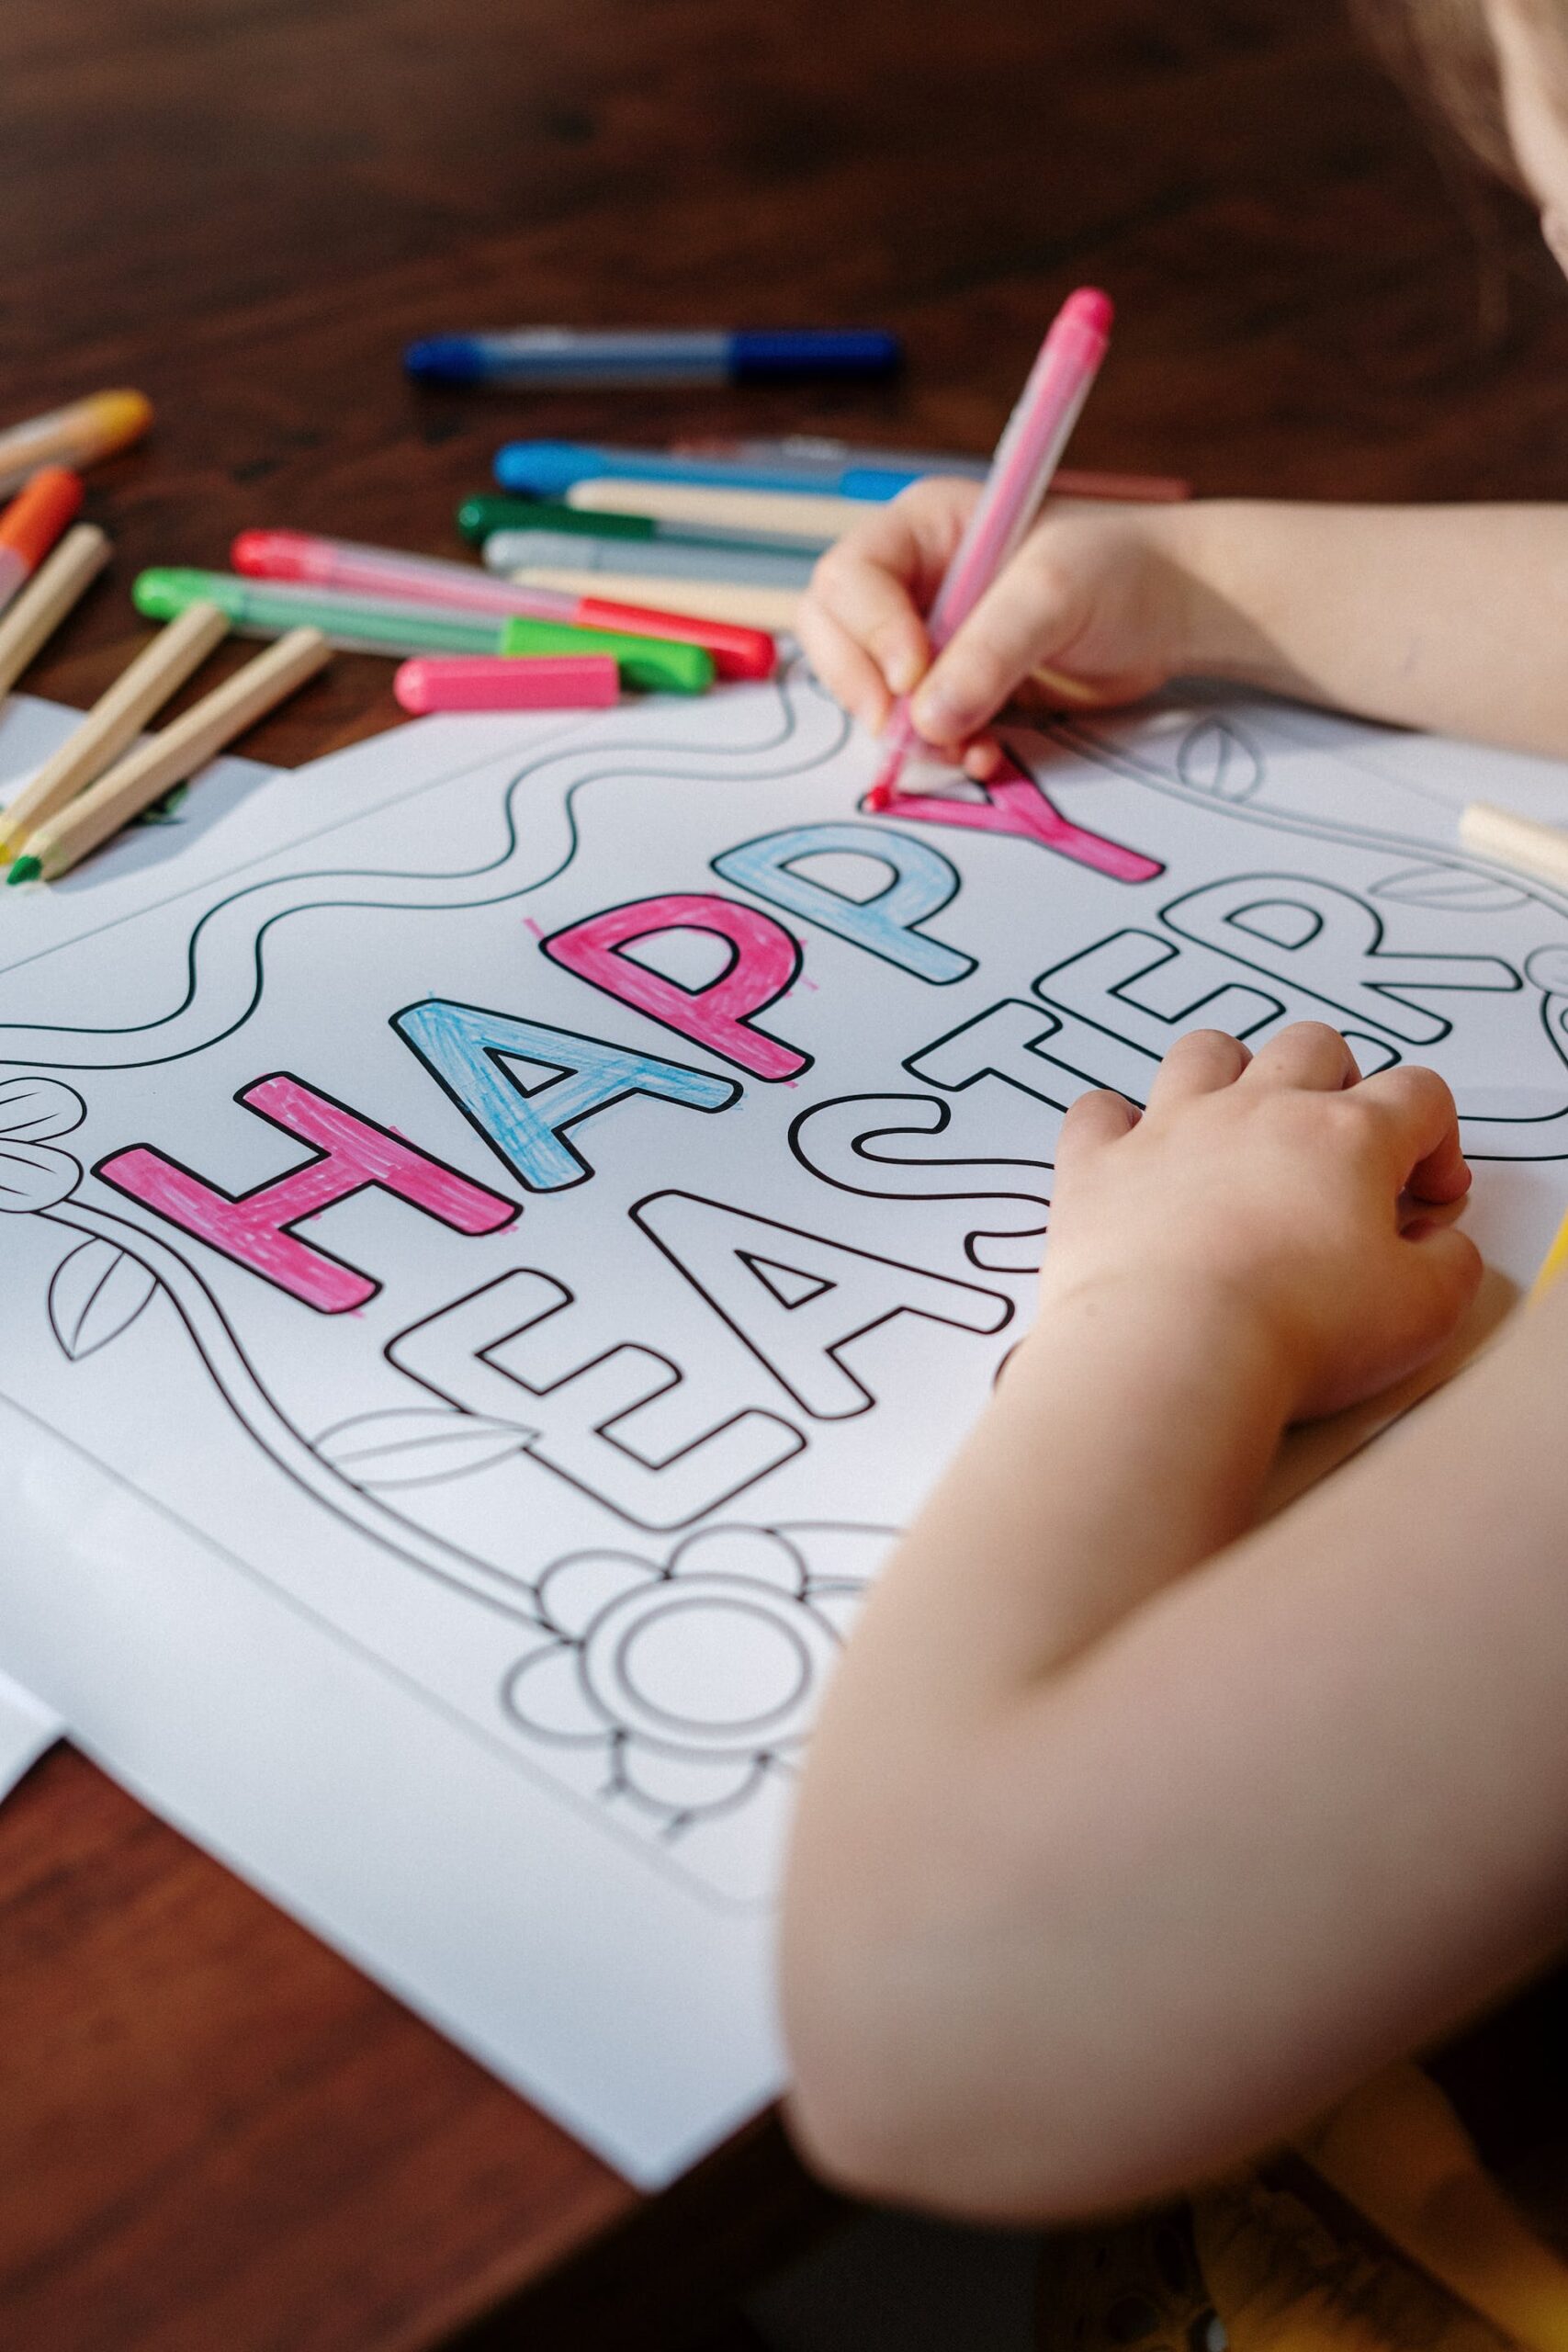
1018, 624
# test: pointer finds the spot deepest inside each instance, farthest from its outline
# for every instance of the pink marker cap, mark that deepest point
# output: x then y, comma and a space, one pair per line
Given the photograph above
507, 682
1090, 308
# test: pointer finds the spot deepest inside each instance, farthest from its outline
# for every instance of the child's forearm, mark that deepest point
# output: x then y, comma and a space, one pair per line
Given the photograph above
1447, 617
1096, 1928
1128, 1440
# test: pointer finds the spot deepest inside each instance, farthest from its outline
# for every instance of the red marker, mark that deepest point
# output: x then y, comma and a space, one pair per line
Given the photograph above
32, 523
429, 579
507, 682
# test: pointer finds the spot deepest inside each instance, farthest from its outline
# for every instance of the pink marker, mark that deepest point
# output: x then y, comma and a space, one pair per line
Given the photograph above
1027, 456
359, 571
507, 682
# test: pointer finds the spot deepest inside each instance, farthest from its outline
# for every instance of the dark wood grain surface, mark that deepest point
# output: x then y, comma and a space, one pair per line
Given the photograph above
213, 2133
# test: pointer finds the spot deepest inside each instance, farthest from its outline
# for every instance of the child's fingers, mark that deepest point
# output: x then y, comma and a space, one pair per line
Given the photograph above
878, 578
1308, 1054
1201, 1063
850, 674
1019, 622
1446, 1269
1094, 1119
982, 758
1425, 1154
869, 602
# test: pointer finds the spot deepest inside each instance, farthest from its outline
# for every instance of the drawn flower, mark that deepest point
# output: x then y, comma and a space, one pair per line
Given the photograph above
32, 1175
696, 1678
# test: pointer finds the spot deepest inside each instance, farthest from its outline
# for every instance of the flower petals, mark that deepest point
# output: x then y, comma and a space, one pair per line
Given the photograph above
576, 1591
545, 1694
754, 1552
686, 1784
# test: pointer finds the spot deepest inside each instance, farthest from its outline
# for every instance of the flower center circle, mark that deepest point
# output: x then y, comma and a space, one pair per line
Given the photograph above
714, 1665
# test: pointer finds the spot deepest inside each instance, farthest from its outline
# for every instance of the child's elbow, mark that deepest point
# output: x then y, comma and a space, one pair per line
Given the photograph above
863, 2108
895, 2104
903, 2096
967, 2152
862, 2131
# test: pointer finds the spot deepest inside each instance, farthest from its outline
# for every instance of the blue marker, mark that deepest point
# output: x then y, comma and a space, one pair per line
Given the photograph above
549, 469
544, 357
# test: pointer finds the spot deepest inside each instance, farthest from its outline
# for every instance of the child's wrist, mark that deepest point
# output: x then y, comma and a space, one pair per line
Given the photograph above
1208, 544
1170, 1327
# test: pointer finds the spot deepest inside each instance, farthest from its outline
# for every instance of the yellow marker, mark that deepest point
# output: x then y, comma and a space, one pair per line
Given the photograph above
1551, 1265
76, 436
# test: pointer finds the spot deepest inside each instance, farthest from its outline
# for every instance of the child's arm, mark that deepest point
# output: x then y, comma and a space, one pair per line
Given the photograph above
1450, 617
1120, 1852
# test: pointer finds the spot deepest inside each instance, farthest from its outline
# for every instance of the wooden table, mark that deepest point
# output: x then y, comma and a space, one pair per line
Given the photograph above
212, 2131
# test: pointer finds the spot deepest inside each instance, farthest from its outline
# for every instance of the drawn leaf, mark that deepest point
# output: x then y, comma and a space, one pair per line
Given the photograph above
97, 1294
416, 1445
1452, 887
167, 810
1547, 967
34, 1176
1216, 757
34, 1109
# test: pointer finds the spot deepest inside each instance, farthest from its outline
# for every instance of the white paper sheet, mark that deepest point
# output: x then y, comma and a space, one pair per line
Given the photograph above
486, 1278
26, 1728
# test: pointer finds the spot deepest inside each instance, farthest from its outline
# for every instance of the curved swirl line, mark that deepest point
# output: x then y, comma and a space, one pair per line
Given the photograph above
210, 945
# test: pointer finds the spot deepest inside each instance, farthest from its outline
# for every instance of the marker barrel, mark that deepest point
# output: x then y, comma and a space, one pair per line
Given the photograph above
741, 601
383, 572
646, 662
513, 551
547, 356
34, 520
508, 682
480, 518
78, 435
353, 624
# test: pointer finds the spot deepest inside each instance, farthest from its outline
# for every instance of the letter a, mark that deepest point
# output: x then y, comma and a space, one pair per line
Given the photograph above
469, 1052
797, 1300
256, 1229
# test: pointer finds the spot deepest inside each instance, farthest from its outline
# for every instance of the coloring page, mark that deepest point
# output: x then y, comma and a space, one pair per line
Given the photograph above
523, 1246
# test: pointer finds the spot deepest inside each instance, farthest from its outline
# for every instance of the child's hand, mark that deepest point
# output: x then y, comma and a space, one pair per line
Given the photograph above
1272, 1190
1096, 595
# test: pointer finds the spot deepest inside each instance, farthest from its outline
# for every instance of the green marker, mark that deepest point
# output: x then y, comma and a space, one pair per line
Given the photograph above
478, 517
356, 624
387, 625
655, 664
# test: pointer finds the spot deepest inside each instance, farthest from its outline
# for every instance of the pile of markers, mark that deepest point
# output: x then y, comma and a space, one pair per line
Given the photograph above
602, 570
101, 779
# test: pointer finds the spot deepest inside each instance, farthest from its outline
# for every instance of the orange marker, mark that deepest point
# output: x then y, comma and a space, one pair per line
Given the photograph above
78, 435
32, 522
